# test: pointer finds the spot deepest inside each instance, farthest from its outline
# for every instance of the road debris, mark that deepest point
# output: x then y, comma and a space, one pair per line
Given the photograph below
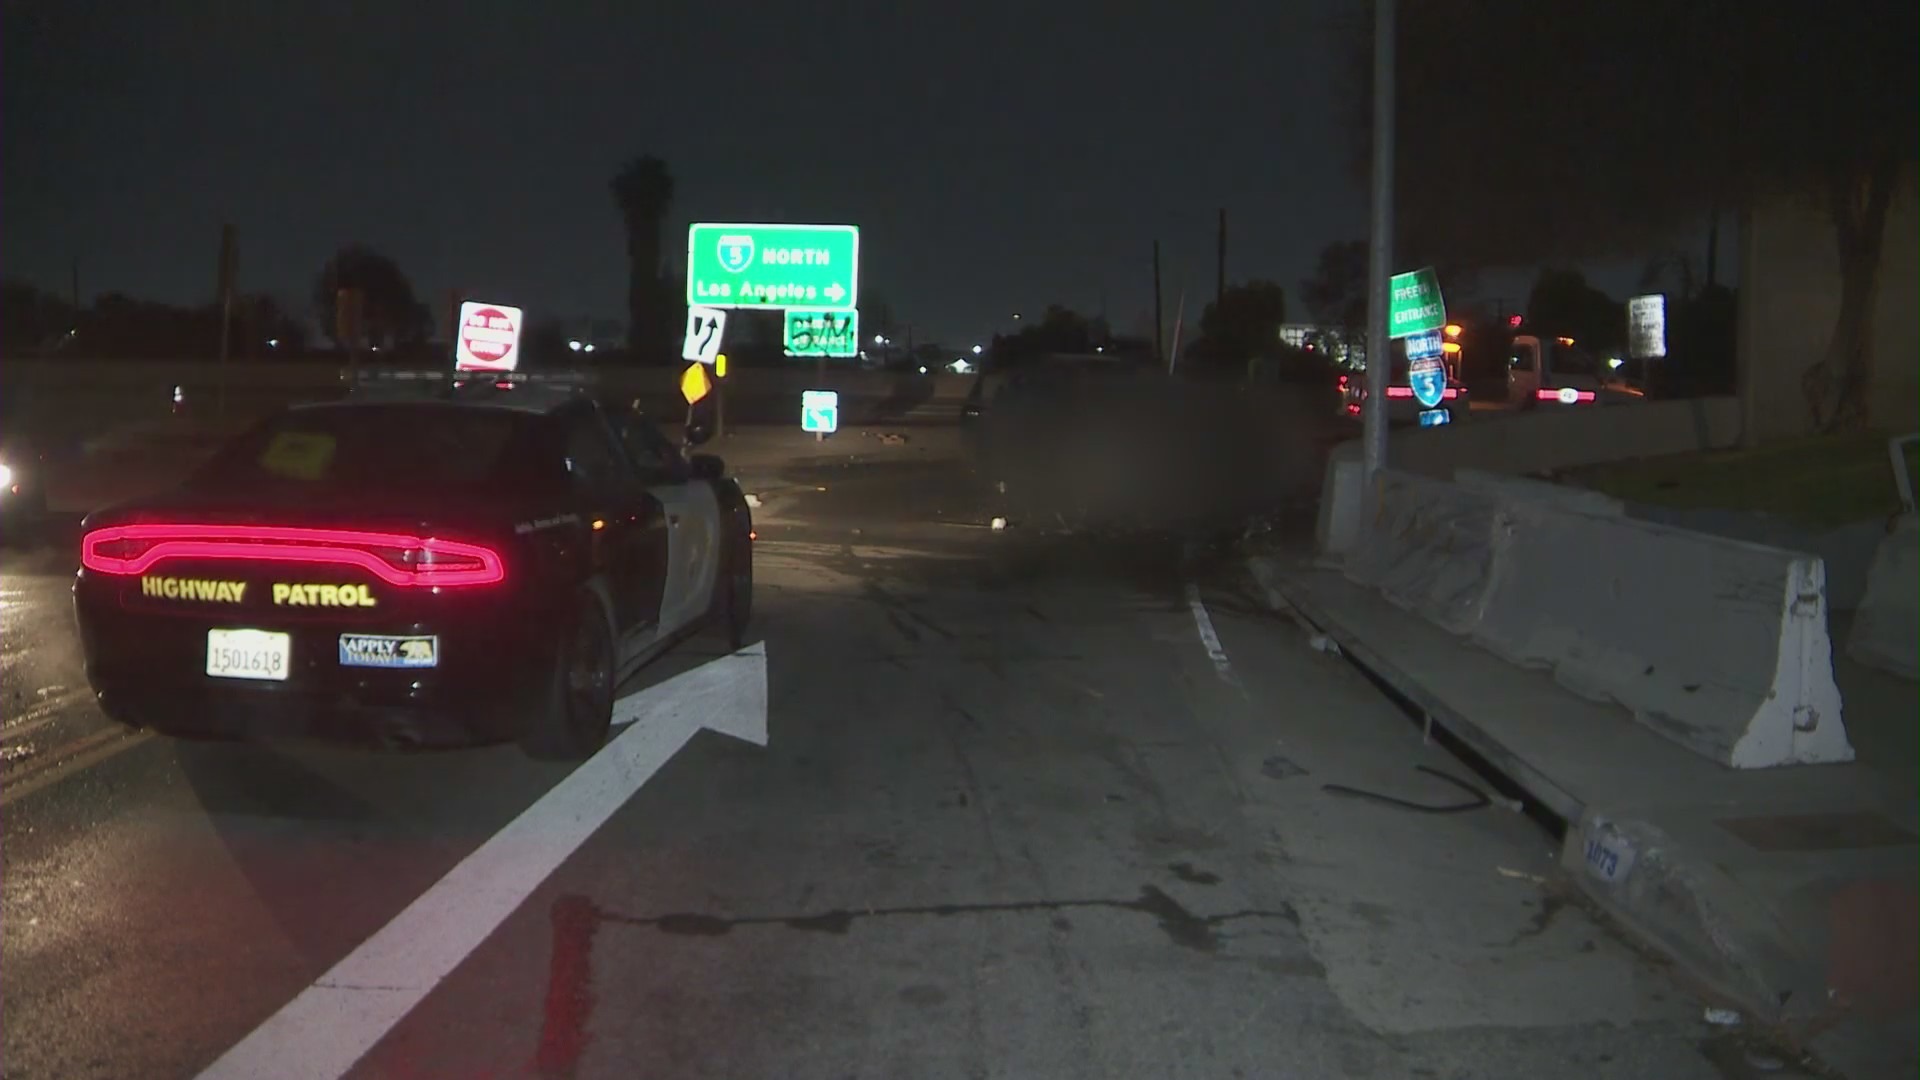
1478, 802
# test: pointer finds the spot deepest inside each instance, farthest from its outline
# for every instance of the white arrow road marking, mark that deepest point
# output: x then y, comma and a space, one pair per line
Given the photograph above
324, 1031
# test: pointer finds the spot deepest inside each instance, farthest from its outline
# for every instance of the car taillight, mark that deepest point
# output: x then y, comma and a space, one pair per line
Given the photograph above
395, 558
1566, 395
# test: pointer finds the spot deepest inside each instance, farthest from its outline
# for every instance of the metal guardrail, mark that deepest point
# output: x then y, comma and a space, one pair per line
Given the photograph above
1897, 455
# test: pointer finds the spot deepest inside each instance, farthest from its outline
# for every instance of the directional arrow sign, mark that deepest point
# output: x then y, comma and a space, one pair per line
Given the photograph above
773, 266
820, 411
335, 1021
704, 327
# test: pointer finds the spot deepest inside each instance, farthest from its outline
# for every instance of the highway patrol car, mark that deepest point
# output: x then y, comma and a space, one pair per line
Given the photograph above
463, 562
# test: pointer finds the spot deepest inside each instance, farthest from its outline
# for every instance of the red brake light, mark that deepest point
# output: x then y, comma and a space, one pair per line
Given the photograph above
394, 558
1566, 395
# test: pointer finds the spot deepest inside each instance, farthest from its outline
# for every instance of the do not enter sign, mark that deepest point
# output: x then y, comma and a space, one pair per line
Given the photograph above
489, 337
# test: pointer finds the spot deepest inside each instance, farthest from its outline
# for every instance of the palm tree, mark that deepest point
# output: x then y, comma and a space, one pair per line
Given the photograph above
643, 189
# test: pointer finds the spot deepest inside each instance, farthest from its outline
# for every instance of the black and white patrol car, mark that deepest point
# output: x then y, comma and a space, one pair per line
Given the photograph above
477, 562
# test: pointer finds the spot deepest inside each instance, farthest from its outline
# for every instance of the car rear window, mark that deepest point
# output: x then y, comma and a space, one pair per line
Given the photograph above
379, 448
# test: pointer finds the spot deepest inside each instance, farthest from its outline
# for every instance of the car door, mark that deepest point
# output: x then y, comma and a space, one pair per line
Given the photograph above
691, 511
627, 526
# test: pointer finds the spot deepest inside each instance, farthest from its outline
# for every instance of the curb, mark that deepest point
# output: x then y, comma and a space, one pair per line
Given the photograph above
1693, 913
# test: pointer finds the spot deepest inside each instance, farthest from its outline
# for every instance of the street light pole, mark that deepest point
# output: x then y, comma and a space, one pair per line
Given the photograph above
1380, 254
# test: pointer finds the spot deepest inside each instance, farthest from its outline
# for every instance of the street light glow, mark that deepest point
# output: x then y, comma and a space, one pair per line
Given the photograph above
976, 350
574, 344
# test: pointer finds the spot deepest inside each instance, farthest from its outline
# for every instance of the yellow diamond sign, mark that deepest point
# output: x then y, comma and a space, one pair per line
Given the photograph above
694, 384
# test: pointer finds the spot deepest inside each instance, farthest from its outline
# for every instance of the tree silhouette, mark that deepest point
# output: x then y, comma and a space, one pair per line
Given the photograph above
643, 189
1336, 294
1563, 304
391, 317
1535, 132
31, 319
1243, 324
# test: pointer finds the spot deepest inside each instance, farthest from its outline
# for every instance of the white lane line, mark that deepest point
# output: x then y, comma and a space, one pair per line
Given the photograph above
1210, 640
331, 1025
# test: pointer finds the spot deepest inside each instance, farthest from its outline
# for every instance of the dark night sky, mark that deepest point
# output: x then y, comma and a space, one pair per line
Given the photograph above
1027, 153
1023, 154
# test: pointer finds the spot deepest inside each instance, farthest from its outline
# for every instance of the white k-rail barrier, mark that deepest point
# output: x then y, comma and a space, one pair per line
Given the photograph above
1886, 628
1717, 644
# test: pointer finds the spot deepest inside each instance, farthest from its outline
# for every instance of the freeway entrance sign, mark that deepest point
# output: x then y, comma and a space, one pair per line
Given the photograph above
773, 266
1415, 306
822, 333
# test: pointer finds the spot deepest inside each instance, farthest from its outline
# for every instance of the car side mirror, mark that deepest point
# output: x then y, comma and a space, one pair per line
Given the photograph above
706, 467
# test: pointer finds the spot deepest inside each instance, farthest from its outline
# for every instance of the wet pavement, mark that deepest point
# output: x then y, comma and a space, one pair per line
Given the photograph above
1035, 803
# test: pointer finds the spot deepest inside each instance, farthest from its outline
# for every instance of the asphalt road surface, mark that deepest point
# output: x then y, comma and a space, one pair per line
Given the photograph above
1035, 805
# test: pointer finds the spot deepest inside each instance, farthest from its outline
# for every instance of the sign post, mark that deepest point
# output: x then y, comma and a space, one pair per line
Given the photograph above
489, 337
773, 266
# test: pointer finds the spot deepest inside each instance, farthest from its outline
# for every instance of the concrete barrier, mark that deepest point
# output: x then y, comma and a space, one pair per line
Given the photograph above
1886, 629
1719, 645
1533, 441
1430, 549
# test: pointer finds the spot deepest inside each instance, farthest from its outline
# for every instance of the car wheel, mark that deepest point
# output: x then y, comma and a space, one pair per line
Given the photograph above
733, 593
579, 705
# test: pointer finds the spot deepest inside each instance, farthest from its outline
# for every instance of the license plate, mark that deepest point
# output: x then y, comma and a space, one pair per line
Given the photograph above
249, 654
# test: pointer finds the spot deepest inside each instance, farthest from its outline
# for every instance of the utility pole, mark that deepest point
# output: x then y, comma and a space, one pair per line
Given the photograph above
1380, 250
1159, 341
1220, 263
229, 268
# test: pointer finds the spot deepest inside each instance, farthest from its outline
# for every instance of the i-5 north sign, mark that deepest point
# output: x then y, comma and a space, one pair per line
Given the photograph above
773, 266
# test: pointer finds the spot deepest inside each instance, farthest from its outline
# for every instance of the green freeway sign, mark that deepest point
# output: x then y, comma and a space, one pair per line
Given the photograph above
773, 266
822, 333
1414, 305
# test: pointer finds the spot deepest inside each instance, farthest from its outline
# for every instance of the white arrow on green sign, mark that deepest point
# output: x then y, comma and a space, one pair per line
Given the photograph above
1414, 305
773, 266
822, 333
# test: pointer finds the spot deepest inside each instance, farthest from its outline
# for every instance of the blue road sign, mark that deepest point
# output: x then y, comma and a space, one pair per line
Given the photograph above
819, 411
1435, 417
1427, 376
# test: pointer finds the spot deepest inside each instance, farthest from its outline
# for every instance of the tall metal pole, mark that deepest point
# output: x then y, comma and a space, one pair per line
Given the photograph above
1380, 253
1159, 338
1220, 263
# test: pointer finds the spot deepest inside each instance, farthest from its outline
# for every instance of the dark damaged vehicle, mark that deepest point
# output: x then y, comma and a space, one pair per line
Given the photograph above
475, 563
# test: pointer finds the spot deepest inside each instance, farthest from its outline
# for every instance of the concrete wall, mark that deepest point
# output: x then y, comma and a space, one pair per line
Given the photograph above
1550, 439
1790, 297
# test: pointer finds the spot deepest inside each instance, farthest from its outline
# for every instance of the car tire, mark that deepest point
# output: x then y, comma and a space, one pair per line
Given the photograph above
733, 593
579, 698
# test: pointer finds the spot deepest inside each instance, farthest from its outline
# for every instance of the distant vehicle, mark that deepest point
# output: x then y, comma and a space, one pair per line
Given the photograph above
1402, 407
449, 565
1556, 371
23, 492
